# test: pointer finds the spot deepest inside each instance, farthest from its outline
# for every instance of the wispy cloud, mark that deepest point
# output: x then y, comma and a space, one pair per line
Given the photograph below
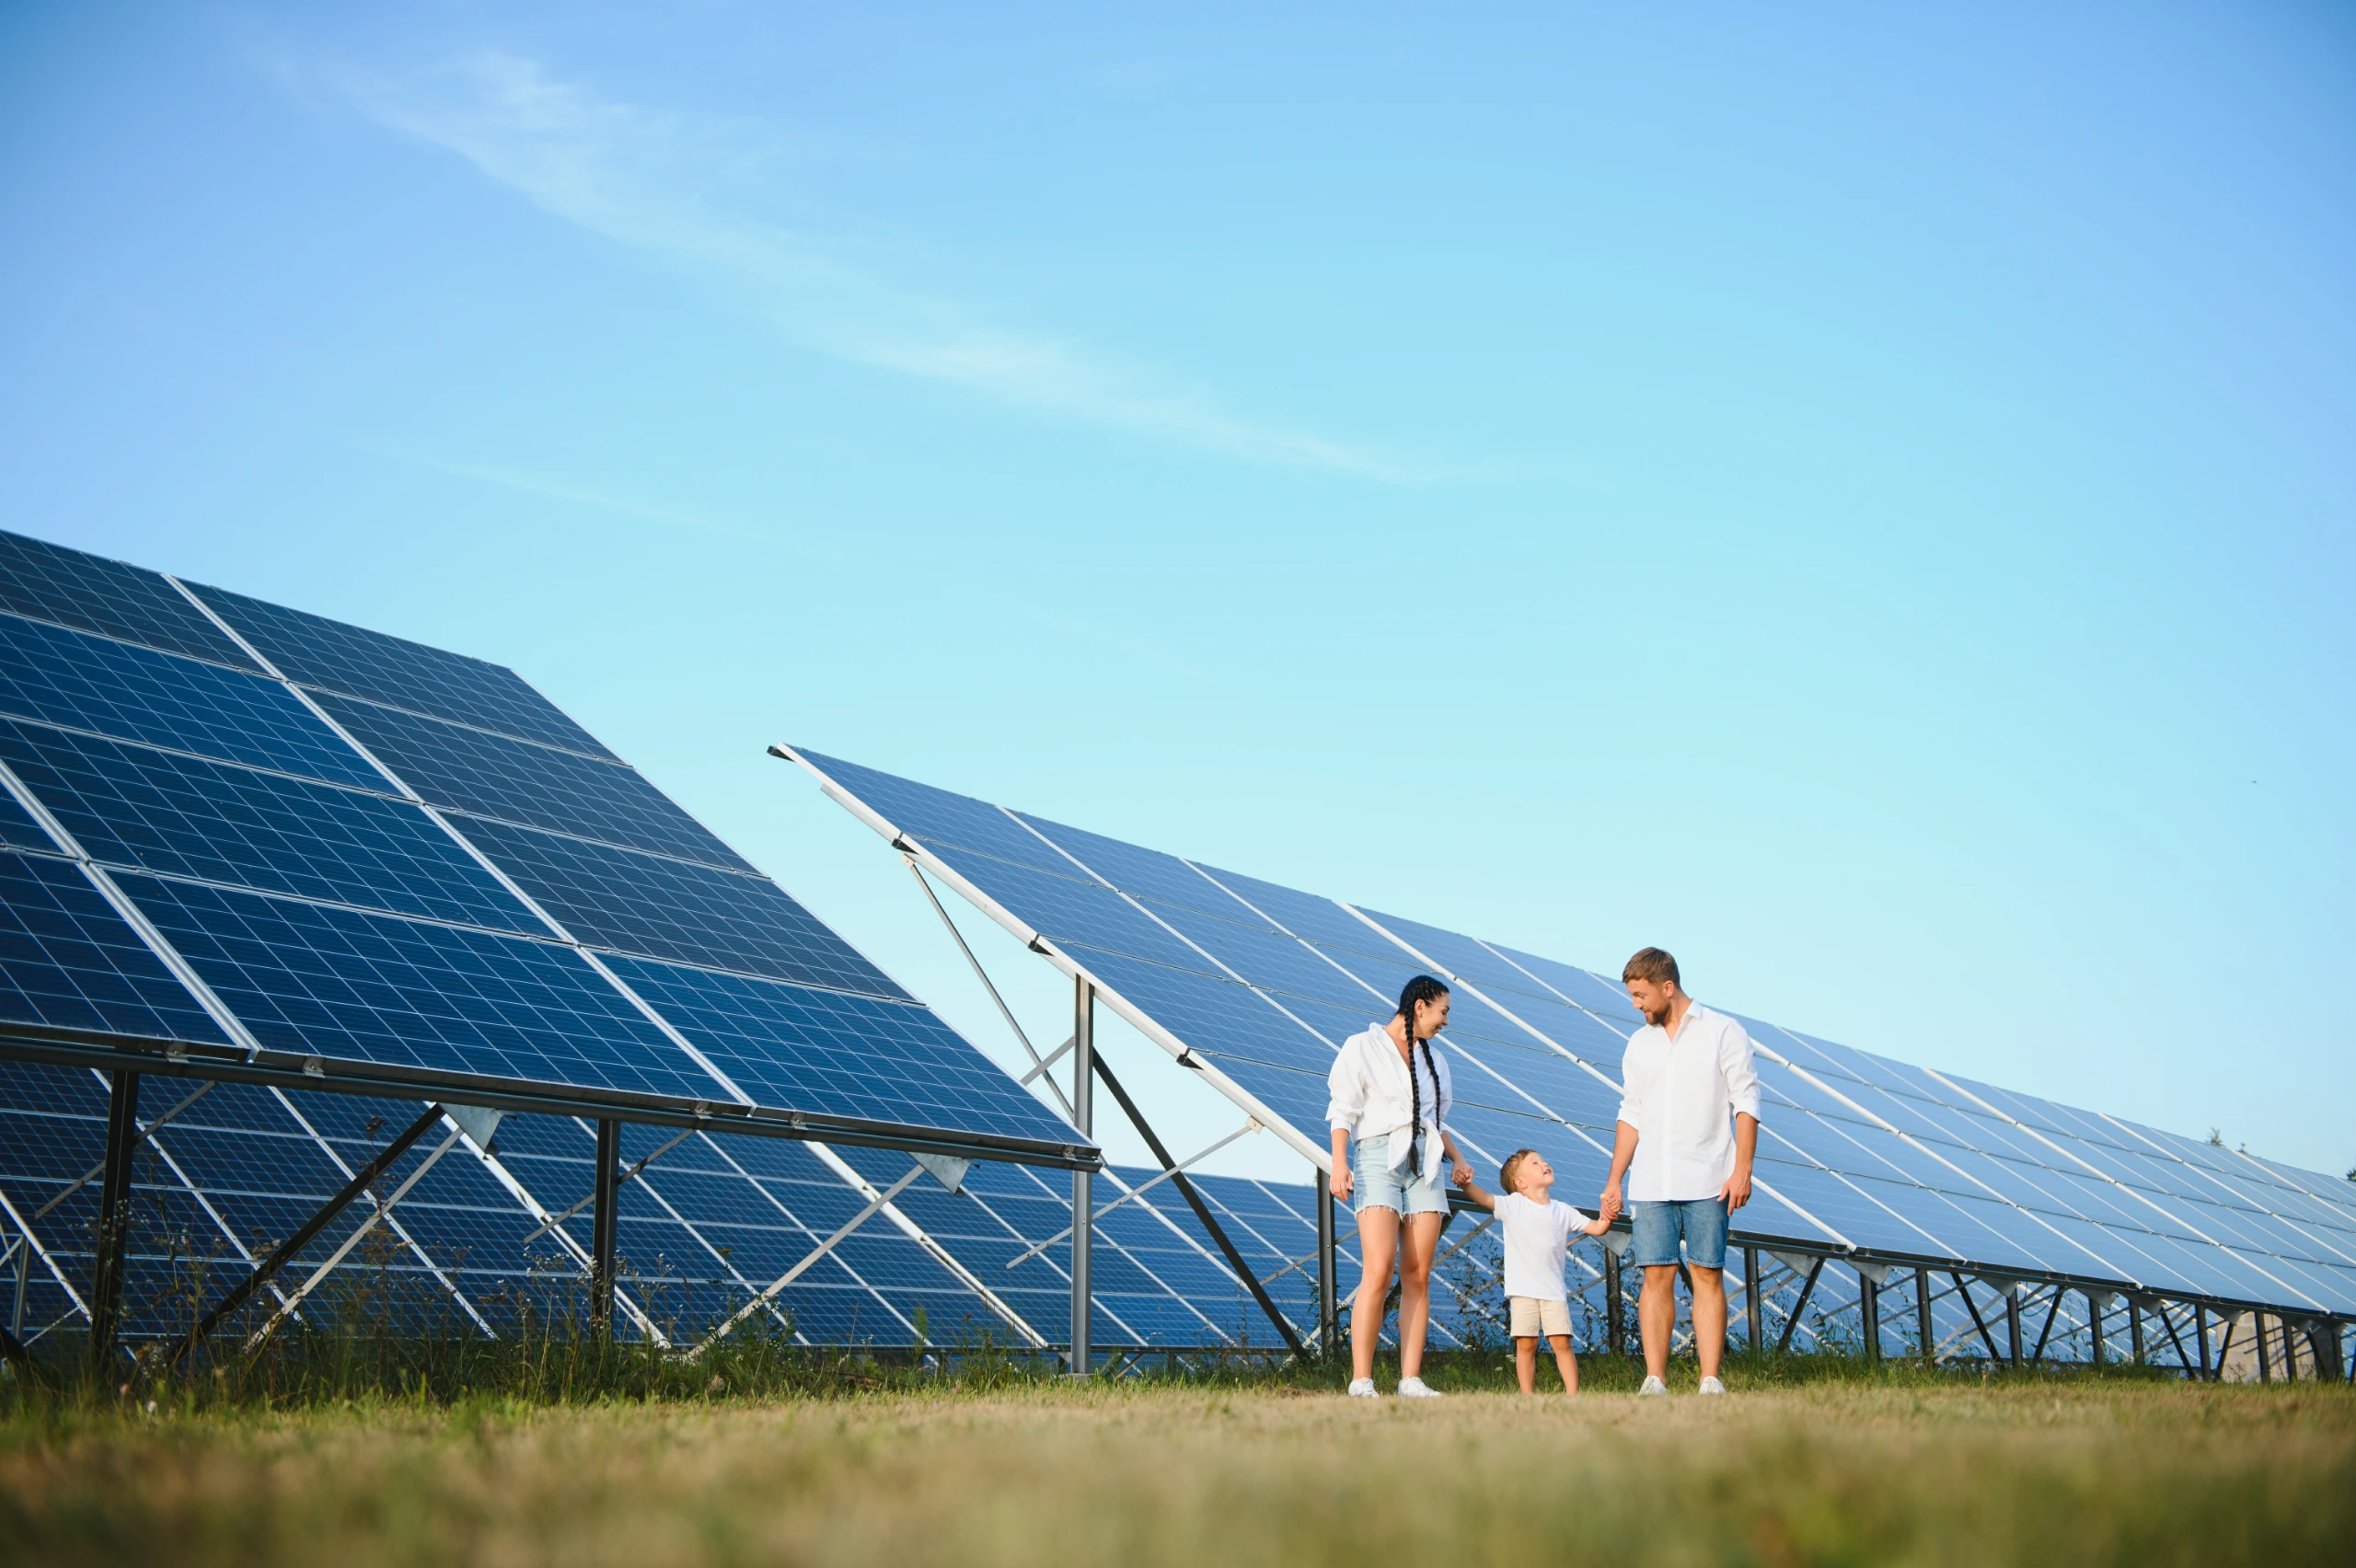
658, 182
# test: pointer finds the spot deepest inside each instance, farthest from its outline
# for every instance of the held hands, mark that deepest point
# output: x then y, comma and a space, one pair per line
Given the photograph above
1462, 1175
1608, 1205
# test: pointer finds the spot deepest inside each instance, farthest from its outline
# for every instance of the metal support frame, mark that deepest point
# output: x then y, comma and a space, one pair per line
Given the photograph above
1039, 1065
2045, 1334
1923, 1330
285, 1252
1750, 1298
760, 1301
2265, 1360
1083, 1209
1784, 1344
114, 1219
2135, 1329
1202, 1211
1977, 1320
2013, 1328
2200, 1335
1869, 1314
1614, 1311
1329, 1310
2224, 1347
607, 1214
2093, 1325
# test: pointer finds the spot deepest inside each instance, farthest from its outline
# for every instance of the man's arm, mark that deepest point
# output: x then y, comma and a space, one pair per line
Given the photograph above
1623, 1149
1736, 1191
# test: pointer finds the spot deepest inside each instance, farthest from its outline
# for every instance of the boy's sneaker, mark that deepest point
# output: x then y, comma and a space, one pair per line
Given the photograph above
1363, 1388
1654, 1389
1412, 1389
1712, 1386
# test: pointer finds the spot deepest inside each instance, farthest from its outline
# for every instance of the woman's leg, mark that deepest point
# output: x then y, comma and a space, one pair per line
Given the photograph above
1378, 1246
1415, 1251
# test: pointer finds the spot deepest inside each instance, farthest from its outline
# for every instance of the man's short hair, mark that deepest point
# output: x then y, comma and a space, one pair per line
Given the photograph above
1653, 964
1512, 1168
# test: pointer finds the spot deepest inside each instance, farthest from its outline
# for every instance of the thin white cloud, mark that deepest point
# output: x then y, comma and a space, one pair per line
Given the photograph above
656, 182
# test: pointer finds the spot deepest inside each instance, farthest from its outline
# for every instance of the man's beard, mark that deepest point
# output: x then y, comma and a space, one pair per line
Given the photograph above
1659, 1020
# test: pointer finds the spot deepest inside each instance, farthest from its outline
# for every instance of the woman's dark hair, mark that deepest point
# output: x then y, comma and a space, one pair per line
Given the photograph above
1422, 990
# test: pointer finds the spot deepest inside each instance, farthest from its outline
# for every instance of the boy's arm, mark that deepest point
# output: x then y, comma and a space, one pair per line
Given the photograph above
1473, 1190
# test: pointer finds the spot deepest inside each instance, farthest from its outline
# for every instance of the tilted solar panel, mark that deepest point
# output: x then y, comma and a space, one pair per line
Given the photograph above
242, 840
1873, 1160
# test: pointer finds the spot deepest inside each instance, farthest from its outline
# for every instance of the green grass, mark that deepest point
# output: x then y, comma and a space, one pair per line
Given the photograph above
1832, 1465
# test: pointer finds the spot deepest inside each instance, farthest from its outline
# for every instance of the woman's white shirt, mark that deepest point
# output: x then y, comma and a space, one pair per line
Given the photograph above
1371, 1090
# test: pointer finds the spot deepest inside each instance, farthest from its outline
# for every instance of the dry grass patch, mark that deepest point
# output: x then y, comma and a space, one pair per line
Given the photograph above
2150, 1474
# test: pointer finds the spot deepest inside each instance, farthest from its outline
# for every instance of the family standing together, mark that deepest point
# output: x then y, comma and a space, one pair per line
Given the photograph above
1680, 1166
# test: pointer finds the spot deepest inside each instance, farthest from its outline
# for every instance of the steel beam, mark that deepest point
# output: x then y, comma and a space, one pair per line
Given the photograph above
1329, 1311
2045, 1334
2094, 1324
284, 1253
2200, 1335
2013, 1327
1750, 1299
1977, 1320
1923, 1326
605, 1214
2135, 1329
114, 1220
1869, 1315
1783, 1346
1614, 1325
1083, 1199
2265, 1358
1202, 1211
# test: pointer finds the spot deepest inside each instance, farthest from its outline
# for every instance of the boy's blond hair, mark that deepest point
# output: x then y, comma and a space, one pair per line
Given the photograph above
1512, 1167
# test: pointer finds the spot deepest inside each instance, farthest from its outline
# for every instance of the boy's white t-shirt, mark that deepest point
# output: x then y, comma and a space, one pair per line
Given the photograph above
1537, 1240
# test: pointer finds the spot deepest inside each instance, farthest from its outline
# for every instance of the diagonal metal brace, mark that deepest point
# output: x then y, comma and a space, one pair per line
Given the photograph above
137, 1137
876, 1207
555, 1220
1142, 1188
1038, 1066
1783, 1346
1202, 1212
285, 1252
1977, 1320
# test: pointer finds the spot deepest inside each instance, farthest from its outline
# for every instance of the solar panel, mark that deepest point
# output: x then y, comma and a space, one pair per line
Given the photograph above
1861, 1156
197, 852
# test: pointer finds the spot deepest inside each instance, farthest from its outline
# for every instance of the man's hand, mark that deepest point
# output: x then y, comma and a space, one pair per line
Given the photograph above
1736, 1191
1610, 1202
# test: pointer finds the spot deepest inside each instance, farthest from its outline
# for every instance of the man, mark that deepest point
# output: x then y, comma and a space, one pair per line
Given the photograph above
1686, 1075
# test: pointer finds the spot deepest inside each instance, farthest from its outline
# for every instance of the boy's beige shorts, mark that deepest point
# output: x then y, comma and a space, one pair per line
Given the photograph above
1533, 1319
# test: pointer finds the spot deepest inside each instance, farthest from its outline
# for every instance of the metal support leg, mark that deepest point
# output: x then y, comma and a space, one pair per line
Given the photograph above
1329, 1314
1869, 1315
1614, 1329
1083, 1197
2094, 1324
2265, 1358
1750, 1298
1783, 1346
1923, 1330
114, 1220
1977, 1320
605, 1216
2013, 1330
2135, 1329
2201, 1336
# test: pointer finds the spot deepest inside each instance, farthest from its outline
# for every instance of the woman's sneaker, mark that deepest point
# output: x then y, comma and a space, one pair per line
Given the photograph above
1654, 1389
1412, 1389
1712, 1386
1363, 1388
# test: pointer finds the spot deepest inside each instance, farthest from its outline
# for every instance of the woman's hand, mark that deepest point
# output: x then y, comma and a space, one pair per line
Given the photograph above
1341, 1182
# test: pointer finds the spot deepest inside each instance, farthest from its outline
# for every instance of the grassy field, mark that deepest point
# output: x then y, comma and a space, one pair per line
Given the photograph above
1864, 1470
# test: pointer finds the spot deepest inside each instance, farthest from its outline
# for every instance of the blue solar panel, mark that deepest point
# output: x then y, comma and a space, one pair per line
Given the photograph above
68, 961
109, 597
17, 828
628, 902
516, 781
942, 820
136, 693
317, 652
131, 806
370, 987
797, 1048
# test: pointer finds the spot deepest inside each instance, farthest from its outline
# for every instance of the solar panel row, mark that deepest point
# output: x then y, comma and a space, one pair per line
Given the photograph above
1860, 1155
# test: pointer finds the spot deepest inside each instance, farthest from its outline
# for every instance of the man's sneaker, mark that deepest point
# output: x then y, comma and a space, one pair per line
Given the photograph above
1654, 1389
1712, 1386
1412, 1389
1363, 1388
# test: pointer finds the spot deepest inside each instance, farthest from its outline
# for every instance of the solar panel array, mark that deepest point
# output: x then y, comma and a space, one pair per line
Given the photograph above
247, 829
1860, 1156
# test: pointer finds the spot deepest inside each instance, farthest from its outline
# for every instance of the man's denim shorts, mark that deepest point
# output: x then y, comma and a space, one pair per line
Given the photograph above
1658, 1228
1403, 1193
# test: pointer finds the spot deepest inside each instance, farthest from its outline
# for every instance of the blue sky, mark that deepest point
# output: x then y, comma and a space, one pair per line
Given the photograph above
1861, 499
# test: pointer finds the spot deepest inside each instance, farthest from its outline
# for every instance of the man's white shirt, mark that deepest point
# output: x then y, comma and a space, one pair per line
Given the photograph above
1537, 1240
1370, 1095
1682, 1096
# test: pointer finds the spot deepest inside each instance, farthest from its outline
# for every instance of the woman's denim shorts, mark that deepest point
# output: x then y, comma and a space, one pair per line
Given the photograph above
1378, 1186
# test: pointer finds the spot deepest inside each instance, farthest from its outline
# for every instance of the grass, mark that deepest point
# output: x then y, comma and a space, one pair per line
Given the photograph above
1829, 1466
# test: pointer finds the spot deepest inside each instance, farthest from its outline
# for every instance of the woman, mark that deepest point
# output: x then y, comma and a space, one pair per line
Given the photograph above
1390, 1093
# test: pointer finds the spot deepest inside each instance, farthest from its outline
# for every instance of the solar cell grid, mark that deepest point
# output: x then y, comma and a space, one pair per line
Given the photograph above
516, 781
1142, 874
17, 829
317, 652
630, 902
72, 678
109, 597
68, 961
130, 806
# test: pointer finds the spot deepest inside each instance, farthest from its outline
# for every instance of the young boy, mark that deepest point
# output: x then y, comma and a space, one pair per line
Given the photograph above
1537, 1239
